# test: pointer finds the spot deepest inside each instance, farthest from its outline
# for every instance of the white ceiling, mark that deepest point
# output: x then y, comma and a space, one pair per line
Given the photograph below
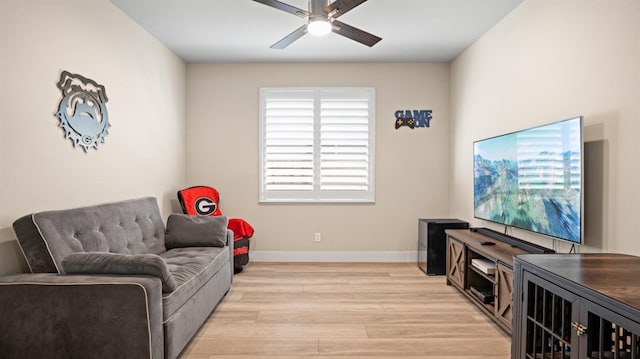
203, 31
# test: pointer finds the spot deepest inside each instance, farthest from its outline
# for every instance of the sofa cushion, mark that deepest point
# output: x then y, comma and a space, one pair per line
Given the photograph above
196, 231
191, 268
130, 227
116, 263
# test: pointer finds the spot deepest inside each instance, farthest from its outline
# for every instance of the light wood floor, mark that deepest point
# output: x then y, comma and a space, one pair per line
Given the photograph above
345, 311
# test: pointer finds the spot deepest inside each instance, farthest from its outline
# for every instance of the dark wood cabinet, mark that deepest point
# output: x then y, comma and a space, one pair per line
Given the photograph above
576, 306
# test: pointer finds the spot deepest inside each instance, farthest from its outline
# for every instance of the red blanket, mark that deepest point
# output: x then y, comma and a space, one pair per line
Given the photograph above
203, 200
240, 228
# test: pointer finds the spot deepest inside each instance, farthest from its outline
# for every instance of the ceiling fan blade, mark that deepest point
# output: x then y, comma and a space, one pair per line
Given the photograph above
340, 7
356, 34
287, 40
285, 7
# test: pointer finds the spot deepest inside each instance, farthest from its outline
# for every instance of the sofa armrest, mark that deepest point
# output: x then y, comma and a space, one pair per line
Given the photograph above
75, 316
118, 263
231, 248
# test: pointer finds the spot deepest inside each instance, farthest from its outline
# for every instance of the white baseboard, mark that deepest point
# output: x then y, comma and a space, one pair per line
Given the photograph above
329, 256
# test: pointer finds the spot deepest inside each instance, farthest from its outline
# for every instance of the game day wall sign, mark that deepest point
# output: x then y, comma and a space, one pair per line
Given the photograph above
412, 118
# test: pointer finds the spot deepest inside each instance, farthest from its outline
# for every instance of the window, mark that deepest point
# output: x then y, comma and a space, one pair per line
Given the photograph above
317, 145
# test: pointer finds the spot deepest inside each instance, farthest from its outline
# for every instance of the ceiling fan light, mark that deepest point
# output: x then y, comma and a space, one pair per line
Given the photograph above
319, 27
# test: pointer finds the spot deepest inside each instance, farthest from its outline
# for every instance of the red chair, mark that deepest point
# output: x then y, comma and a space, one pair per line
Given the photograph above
204, 201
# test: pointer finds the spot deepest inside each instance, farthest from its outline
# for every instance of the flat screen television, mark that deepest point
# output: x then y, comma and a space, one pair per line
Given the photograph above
532, 179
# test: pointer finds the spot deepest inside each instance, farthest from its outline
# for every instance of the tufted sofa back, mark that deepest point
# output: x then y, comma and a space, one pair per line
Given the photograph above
134, 227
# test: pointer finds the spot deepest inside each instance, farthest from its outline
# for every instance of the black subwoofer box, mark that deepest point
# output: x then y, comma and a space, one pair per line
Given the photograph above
432, 243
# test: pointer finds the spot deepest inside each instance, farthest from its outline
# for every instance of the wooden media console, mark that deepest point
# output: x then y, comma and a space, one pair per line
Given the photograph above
480, 265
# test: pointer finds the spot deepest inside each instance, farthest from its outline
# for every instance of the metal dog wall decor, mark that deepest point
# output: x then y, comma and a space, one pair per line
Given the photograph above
413, 118
82, 111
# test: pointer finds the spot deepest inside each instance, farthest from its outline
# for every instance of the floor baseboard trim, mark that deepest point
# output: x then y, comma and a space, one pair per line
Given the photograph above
331, 256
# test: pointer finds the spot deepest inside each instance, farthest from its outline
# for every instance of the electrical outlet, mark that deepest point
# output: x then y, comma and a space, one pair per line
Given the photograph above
317, 237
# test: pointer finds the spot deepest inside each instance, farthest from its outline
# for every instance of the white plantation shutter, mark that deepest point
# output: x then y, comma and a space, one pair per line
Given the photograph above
344, 144
288, 145
317, 145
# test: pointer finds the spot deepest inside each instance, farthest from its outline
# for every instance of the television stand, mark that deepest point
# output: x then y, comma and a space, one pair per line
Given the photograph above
480, 265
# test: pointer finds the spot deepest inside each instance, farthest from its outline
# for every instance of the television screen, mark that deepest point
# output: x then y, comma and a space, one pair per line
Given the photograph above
532, 179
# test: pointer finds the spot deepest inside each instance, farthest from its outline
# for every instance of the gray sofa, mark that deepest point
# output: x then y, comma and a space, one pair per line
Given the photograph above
111, 281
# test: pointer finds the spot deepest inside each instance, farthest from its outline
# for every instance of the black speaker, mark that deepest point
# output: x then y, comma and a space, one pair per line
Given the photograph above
432, 243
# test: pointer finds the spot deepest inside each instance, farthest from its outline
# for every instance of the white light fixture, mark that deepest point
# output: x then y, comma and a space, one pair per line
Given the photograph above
319, 27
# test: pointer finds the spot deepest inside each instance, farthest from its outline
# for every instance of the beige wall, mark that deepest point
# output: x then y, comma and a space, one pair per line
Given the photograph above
144, 153
547, 61
411, 165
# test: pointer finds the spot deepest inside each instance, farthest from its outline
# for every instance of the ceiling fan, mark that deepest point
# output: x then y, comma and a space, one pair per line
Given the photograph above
321, 19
